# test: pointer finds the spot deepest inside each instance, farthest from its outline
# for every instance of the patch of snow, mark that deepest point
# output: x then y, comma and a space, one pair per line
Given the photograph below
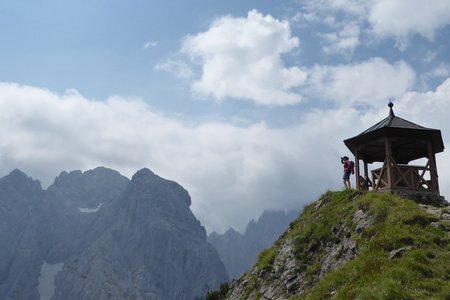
46, 284
90, 210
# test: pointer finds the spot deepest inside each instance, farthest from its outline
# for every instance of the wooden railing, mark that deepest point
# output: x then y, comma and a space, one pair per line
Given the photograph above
403, 177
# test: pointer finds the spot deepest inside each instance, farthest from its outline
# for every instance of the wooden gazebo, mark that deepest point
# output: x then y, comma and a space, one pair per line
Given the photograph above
396, 142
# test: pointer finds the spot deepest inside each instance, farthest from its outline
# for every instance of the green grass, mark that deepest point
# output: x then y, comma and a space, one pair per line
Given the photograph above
423, 272
220, 294
313, 229
266, 259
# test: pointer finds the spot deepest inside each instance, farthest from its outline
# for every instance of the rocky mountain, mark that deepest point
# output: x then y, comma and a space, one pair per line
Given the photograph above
239, 251
20, 237
99, 235
75, 201
352, 245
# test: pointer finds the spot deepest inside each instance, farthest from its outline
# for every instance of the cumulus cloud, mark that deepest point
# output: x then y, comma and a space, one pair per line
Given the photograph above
430, 107
342, 18
363, 83
344, 41
442, 70
240, 58
401, 19
437, 72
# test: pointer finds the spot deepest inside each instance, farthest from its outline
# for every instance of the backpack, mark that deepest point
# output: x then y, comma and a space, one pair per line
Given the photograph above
352, 167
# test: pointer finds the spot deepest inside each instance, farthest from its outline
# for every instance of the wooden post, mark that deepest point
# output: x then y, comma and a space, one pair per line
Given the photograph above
433, 168
358, 184
388, 160
366, 173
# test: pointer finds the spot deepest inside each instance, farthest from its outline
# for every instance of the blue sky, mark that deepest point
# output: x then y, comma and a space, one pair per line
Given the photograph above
244, 103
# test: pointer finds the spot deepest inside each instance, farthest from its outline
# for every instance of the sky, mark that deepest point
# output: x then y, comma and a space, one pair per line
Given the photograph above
244, 103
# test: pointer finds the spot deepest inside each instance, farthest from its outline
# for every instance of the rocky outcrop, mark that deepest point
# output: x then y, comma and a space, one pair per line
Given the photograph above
240, 251
98, 235
347, 239
288, 276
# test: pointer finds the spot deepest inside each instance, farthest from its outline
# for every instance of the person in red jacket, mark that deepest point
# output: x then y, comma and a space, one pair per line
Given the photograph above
347, 171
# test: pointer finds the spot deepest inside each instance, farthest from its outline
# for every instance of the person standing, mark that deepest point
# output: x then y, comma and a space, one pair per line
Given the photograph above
348, 169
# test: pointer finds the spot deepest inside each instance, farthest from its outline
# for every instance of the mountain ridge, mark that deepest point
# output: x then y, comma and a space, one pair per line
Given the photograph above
239, 251
132, 239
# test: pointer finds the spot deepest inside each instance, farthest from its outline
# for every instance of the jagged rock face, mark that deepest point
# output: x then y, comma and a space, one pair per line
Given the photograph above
240, 251
75, 200
112, 237
158, 246
88, 189
20, 197
233, 250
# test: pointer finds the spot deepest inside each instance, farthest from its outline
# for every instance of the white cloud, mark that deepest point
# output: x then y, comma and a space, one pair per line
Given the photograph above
436, 73
442, 70
150, 44
344, 41
232, 172
177, 68
354, 7
431, 107
401, 19
363, 83
305, 18
429, 56
343, 17
322, 8
241, 58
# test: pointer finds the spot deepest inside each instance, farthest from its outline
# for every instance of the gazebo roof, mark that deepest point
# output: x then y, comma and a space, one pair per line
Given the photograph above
393, 121
409, 140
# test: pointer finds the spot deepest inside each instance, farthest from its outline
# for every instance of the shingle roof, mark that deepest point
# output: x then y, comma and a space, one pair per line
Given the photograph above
393, 121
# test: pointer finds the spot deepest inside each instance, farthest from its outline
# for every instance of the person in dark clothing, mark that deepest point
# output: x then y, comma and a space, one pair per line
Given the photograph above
347, 171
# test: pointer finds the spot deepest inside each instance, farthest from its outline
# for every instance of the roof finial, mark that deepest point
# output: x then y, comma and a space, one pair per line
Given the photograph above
391, 111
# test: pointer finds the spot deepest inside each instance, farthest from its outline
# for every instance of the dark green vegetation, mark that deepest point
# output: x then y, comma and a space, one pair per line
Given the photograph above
402, 251
421, 271
220, 294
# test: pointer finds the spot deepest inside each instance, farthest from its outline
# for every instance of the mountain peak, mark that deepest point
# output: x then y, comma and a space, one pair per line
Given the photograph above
160, 188
85, 189
18, 173
20, 181
77, 176
143, 174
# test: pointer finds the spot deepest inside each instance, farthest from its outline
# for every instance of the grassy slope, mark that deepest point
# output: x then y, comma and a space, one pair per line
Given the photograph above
421, 272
